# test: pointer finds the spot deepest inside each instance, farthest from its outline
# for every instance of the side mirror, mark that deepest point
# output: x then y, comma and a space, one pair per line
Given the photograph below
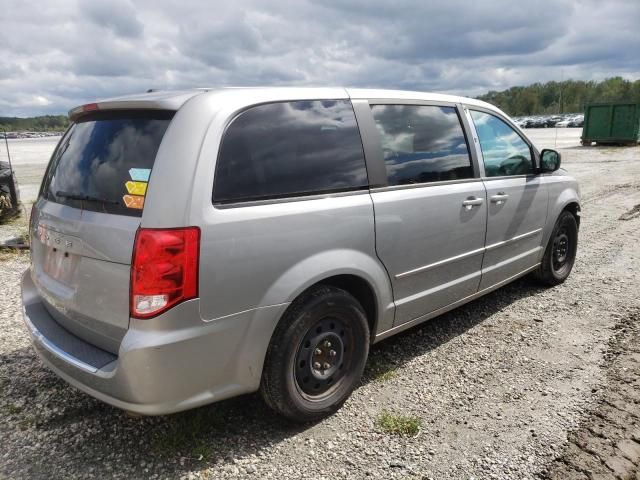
549, 160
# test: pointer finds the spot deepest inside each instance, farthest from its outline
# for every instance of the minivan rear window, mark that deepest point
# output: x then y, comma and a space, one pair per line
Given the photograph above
290, 149
104, 160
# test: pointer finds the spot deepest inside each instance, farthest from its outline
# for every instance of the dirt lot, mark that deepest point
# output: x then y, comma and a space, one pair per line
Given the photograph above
524, 383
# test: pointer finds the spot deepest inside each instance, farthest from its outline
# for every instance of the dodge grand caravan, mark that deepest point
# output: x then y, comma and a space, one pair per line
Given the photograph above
192, 246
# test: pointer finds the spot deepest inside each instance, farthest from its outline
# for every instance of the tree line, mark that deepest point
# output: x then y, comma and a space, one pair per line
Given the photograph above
45, 123
569, 96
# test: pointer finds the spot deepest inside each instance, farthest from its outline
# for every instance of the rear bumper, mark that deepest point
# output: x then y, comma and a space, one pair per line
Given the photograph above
167, 364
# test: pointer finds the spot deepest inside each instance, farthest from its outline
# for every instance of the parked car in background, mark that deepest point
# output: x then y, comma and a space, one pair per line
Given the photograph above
9, 192
571, 121
193, 246
577, 121
549, 121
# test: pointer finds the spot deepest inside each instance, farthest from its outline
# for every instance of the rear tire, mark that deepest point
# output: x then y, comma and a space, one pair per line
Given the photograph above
560, 254
317, 355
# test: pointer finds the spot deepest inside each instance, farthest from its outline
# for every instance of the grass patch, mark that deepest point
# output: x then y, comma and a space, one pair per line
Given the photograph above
30, 421
380, 369
7, 254
12, 409
386, 375
397, 424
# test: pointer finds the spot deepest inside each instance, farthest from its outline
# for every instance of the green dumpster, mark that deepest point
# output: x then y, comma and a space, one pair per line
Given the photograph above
611, 123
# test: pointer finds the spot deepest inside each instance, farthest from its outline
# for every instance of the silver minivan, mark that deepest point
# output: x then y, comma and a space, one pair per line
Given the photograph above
192, 246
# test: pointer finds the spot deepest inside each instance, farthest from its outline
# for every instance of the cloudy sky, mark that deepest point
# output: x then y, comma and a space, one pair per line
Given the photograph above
56, 54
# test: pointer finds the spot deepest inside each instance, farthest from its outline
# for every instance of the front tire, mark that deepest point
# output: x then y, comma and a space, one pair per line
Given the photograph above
317, 355
560, 254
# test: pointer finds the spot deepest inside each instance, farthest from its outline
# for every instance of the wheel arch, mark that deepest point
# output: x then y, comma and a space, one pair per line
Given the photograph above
573, 208
564, 196
358, 273
362, 291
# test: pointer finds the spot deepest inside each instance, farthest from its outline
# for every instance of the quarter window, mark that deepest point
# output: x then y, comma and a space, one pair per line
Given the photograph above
290, 149
504, 151
422, 143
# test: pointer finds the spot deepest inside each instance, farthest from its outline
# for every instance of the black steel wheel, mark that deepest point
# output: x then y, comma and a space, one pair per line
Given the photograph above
560, 254
562, 251
317, 354
322, 358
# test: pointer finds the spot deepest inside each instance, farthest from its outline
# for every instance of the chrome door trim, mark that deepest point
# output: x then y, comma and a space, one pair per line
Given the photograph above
468, 254
440, 263
493, 246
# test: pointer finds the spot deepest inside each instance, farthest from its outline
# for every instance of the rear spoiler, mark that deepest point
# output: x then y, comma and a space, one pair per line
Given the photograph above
145, 101
82, 110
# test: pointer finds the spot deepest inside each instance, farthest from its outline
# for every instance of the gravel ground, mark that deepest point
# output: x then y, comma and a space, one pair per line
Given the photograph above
523, 383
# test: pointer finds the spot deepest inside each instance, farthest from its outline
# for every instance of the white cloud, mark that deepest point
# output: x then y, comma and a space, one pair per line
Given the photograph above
69, 52
41, 101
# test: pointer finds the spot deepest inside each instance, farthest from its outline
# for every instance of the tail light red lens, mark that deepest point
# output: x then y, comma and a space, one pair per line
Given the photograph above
164, 269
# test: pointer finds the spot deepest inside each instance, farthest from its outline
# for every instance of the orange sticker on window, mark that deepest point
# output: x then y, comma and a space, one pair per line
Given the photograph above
133, 201
136, 188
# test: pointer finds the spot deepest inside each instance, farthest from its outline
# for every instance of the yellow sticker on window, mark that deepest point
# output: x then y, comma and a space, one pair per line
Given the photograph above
133, 201
136, 188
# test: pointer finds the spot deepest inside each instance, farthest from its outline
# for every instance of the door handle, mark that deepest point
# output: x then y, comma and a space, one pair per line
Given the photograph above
471, 202
499, 198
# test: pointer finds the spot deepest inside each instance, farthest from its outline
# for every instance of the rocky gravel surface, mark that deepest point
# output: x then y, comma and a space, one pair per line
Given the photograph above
607, 444
525, 382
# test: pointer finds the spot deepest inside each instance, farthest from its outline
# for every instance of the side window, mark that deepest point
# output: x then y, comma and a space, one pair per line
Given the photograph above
504, 151
422, 143
290, 149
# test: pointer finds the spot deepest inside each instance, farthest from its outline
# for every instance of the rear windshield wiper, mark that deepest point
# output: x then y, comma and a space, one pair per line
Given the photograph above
85, 198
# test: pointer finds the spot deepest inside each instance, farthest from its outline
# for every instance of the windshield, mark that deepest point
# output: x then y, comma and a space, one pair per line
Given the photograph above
104, 160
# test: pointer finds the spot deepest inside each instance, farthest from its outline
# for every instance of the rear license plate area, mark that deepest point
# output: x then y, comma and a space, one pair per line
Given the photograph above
57, 261
60, 265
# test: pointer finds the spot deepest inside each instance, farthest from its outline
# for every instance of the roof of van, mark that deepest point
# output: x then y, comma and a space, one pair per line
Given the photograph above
174, 99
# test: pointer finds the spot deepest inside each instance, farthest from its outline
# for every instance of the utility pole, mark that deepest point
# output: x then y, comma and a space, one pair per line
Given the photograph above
6, 142
561, 106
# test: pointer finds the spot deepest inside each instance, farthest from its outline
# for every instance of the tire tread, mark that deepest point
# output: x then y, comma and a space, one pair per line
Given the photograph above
544, 274
273, 386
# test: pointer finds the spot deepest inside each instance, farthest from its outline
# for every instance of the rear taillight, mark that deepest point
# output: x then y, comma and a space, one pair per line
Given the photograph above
164, 269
